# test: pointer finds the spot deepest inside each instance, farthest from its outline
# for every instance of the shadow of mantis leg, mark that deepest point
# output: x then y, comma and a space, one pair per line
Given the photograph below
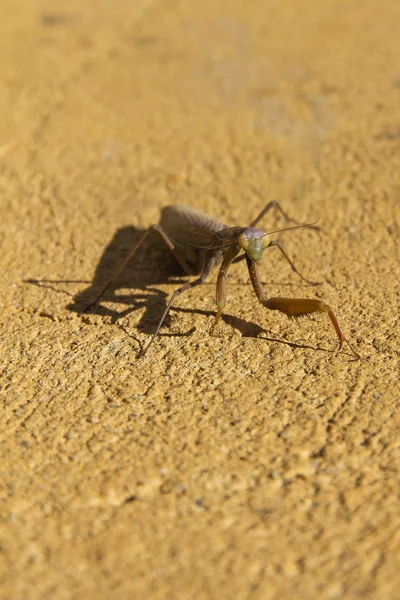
157, 229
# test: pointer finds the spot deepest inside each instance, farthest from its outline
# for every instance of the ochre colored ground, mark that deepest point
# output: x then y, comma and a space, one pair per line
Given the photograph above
252, 462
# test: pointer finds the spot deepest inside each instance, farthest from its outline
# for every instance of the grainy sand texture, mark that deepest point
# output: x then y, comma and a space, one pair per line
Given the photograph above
252, 461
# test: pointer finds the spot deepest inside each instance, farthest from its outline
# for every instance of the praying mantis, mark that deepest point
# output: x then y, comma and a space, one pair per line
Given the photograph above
200, 243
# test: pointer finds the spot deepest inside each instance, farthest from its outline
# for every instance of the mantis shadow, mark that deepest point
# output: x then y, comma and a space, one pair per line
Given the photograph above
248, 329
135, 288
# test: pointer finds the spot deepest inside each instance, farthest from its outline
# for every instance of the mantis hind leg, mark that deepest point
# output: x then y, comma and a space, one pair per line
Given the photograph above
275, 204
266, 209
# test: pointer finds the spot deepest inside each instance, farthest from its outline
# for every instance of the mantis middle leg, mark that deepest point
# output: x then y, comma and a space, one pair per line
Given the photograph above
221, 280
208, 265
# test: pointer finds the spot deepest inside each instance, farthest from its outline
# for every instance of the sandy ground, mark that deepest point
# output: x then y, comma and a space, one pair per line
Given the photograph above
251, 462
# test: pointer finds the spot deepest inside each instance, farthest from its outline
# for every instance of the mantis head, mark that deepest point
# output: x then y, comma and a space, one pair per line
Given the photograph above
253, 242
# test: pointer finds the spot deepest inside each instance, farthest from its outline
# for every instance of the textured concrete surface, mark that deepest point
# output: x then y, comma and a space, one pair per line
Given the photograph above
255, 462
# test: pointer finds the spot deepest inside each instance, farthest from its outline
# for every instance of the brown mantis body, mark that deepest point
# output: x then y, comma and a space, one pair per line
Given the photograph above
200, 243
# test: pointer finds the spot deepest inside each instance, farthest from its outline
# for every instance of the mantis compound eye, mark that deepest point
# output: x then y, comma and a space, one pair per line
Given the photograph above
243, 241
266, 241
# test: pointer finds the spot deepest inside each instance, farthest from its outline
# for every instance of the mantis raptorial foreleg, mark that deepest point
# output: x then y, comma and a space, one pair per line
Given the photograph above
157, 229
294, 307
